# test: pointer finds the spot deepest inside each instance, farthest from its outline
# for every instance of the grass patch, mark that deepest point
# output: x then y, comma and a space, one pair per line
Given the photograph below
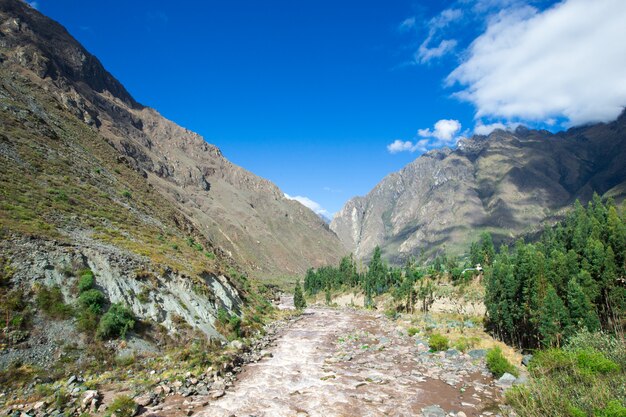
50, 300
574, 381
122, 406
438, 342
498, 364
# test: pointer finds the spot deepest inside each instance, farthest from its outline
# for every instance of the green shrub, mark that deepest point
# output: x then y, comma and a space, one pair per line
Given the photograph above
391, 314
61, 399
609, 345
228, 325
612, 409
122, 406
464, 343
412, 331
575, 411
438, 342
594, 362
298, 297
498, 364
235, 324
550, 361
222, 315
125, 360
50, 301
144, 295
87, 321
583, 361
92, 300
116, 322
86, 281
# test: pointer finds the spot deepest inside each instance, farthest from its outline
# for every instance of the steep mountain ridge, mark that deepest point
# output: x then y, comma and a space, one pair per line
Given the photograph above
507, 183
247, 216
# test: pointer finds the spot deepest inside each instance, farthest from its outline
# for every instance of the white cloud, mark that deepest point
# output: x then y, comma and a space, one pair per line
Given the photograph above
407, 24
485, 129
33, 4
445, 18
426, 52
568, 61
482, 129
444, 133
307, 202
400, 146
408, 146
444, 130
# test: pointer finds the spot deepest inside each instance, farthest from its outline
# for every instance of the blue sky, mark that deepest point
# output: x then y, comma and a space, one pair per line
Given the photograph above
325, 98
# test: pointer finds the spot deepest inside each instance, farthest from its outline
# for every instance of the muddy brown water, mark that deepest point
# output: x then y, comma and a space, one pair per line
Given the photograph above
347, 363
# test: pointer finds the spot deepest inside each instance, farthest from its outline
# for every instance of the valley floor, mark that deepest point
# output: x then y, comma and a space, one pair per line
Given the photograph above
345, 362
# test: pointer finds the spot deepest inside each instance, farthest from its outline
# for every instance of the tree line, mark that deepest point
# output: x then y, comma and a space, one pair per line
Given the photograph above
540, 294
406, 284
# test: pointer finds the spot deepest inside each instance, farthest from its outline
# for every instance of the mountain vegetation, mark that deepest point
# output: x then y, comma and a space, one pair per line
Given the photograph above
573, 278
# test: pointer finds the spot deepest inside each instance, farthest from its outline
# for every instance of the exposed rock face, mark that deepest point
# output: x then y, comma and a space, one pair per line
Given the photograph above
507, 183
246, 216
122, 277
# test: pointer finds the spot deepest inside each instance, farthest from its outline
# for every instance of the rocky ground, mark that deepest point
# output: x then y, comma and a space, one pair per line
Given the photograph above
326, 362
343, 362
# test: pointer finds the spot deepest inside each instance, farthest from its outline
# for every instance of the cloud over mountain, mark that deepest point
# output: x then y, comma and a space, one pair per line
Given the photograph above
567, 61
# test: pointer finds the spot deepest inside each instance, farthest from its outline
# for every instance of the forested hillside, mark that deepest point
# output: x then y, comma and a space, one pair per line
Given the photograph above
540, 294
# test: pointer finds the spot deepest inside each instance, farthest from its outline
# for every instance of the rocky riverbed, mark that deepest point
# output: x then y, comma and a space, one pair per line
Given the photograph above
354, 363
325, 362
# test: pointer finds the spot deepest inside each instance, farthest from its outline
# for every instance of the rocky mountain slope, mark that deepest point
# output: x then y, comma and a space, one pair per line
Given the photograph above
246, 216
507, 183
93, 184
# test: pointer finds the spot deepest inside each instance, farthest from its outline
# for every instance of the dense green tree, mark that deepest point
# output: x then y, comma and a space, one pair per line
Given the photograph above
553, 319
581, 311
298, 297
573, 277
483, 251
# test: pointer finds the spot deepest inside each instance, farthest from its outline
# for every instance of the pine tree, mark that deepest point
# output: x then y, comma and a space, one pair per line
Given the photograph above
486, 248
553, 319
376, 274
298, 298
582, 313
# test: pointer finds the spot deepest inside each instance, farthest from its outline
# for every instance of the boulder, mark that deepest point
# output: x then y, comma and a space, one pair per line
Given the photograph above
452, 353
506, 381
88, 398
217, 394
236, 344
477, 353
433, 411
143, 400
39, 406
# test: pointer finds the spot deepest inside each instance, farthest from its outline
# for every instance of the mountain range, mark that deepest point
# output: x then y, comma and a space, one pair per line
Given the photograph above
508, 183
